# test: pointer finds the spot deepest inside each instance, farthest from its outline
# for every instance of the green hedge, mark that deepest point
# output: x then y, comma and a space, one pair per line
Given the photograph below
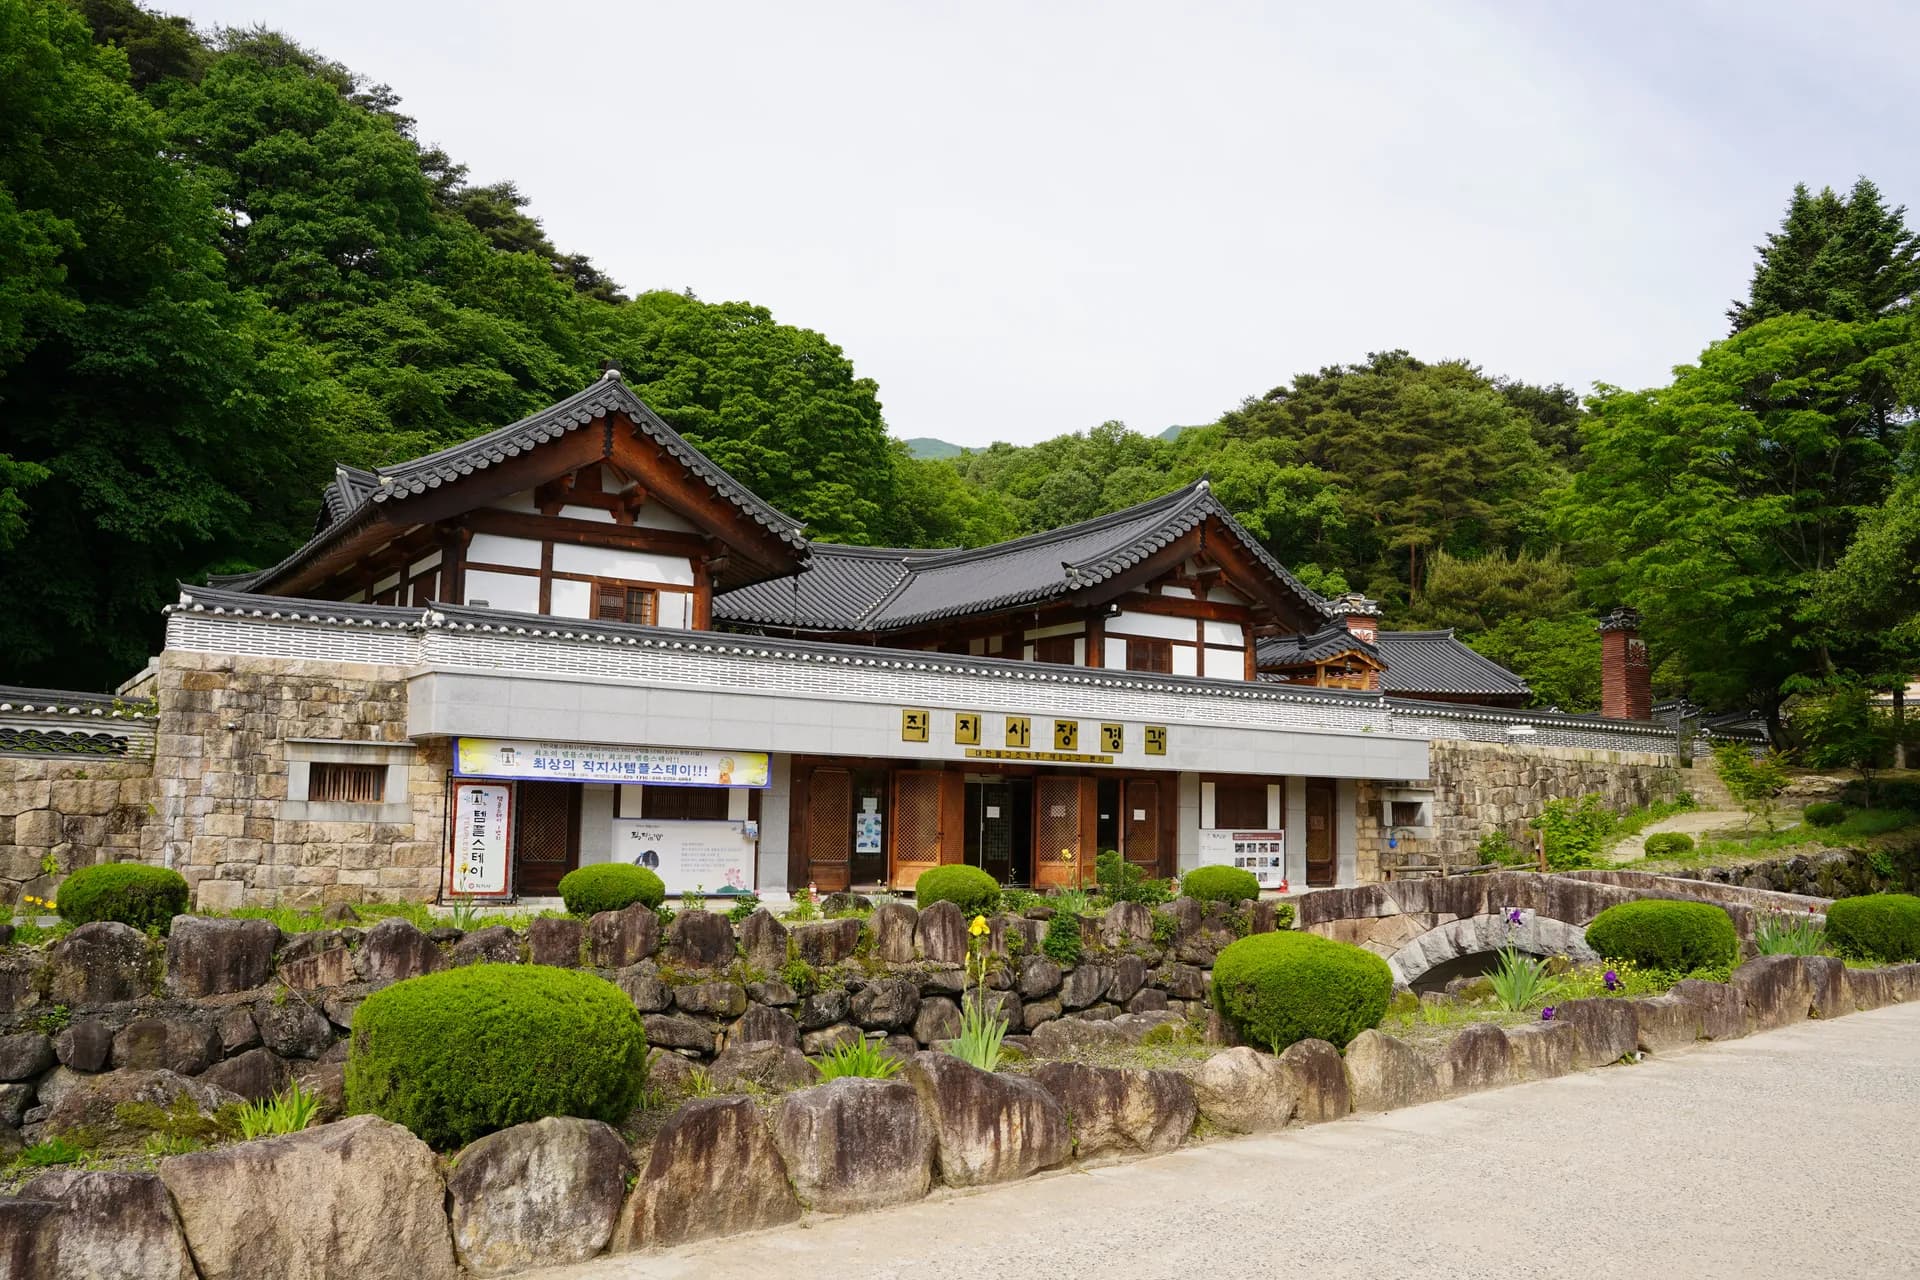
610, 886
969, 888
1280, 988
1665, 844
1676, 936
1826, 813
130, 892
1220, 884
1879, 926
461, 1053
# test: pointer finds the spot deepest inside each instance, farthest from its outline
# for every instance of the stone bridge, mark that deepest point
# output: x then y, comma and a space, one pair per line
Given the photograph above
1419, 925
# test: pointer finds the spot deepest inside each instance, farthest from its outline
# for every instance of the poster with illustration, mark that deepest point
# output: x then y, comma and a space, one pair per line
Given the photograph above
713, 857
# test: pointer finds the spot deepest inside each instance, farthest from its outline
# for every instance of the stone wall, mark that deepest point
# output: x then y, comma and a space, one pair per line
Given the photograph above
79, 811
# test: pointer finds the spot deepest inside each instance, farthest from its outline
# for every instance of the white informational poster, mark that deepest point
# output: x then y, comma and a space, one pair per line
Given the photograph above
477, 865
1262, 852
866, 832
585, 762
714, 857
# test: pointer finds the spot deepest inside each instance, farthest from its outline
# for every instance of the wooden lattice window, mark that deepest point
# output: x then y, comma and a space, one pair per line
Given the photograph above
334, 782
1057, 820
1054, 649
613, 602
685, 804
829, 828
1150, 655
916, 817
1143, 821
1240, 804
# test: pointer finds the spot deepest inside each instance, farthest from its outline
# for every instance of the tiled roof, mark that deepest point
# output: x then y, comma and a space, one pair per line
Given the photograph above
1417, 662
1304, 650
869, 589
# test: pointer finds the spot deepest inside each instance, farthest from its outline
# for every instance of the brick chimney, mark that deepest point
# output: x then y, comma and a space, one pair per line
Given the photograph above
1626, 677
1362, 617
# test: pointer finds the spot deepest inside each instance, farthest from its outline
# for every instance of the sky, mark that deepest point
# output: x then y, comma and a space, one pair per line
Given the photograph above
1022, 220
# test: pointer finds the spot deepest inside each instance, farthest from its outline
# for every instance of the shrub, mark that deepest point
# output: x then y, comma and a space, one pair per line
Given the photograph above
1220, 884
1827, 813
1121, 881
743, 906
1656, 934
1789, 933
1669, 844
857, 1058
1895, 793
1879, 926
610, 886
461, 1053
130, 892
1062, 943
1575, 831
969, 888
1280, 988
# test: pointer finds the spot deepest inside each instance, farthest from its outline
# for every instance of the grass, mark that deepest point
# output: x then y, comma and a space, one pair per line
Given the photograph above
1856, 831
287, 1112
462, 915
1635, 821
857, 1058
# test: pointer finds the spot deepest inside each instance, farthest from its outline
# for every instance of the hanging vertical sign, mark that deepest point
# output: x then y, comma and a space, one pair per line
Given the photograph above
478, 863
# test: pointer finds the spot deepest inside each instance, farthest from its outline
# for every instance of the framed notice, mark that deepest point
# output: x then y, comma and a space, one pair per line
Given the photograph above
714, 857
479, 863
1262, 852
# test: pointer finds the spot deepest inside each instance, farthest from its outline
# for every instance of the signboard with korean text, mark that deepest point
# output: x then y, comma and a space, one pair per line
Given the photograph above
714, 857
1262, 852
583, 762
477, 862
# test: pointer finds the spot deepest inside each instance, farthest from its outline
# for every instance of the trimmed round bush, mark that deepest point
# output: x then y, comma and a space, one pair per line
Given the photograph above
1281, 988
130, 892
1676, 936
1665, 844
1826, 813
610, 886
969, 888
462, 1053
1878, 926
1220, 884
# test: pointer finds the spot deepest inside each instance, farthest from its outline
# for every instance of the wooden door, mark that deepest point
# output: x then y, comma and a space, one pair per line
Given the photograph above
1321, 855
916, 837
1065, 814
1140, 825
545, 836
829, 830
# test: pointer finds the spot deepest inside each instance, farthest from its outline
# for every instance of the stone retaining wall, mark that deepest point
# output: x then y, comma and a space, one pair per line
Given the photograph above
79, 811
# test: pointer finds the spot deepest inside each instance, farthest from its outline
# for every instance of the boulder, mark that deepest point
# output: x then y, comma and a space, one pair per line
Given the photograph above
495, 944
15, 1100
238, 1030
1870, 988
887, 1004
1083, 985
1111, 1108
829, 1038
951, 980
340, 913
1065, 1036
774, 992
1263, 916
1221, 1030
554, 940
1665, 1023
826, 943
394, 950
938, 1019
988, 1127
1180, 981
85, 1045
855, 1144
1127, 922
340, 1008
893, 928
616, 939
712, 1171
1774, 991
291, 1027
113, 1226
1541, 1050
25, 1054
1719, 1009
99, 1104
824, 1008
702, 940
1148, 1000
29, 1239
208, 957
761, 1023
357, 1200
720, 998
1319, 1081
1246, 1091
762, 1063
101, 962
1005, 1004
1039, 977
1035, 1013
1606, 1027
315, 967
543, 1194
669, 1074
644, 987
1477, 1058
1386, 1074
672, 1031
166, 1044
1827, 978
1129, 978
940, 934
764, 939
57, 1084
256, 1075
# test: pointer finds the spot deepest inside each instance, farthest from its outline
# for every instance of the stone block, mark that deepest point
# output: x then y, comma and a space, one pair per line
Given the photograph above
1718, 1008
674, 1031
721, 998
494, 944
1386, 1074
395, 950
1084, 985
1607, 1028
940, 934
1319, 1079
291, 1026
24, 1055
886, 1004
764, 1023
1116, 1109
704, 940
1774, 990
84, 1045
220, 895
764, 1064
1040, 977
166, 1044
1246, 1091
111, 1226
103, 962
1827, 979
616, 939
217, 957
554, 940
764, 939
1476, 1058
544, 1194
712, 1170
256, 1075
1542, 1050
853, 1144
893, 926
988, 1127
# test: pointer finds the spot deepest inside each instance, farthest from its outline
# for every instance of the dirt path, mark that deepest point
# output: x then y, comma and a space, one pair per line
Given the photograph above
1694, 822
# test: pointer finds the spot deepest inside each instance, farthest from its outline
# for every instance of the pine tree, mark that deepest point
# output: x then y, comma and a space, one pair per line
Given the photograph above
1844, 257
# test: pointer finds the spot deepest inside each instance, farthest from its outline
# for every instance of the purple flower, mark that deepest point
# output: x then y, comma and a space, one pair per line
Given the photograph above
1513, 916
1546, 1014
1612, 980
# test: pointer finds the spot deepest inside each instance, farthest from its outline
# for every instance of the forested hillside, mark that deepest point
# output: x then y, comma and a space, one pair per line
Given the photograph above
227, 263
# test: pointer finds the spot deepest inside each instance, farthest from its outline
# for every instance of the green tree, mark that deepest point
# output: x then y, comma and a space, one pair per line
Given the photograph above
1845, 257
1841, 728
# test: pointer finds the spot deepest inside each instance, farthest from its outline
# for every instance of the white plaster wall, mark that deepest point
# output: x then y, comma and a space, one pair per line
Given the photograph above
1158, 626
612, 562
1188, 830
493, 548
1114, 655
1346, 832
1207, 802
423, 564
1229, 633
1295, 826
775, 821
571, 599
599, 515
513, 591
655, 516
1276, 807
1226, 664
596, 822
1186, 661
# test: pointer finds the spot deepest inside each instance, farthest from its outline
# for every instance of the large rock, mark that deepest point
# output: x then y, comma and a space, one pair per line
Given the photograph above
543, 1194
1774, 991
318, 961
761, 1023
1827, 979
1720, 1009
166, 1044
938, 1019
394, 950
237, 1029
712, 1171
1112, 1108
824, 1008
1129, 977
112, 1226
100, 1105
102, 962
357, 1200
1665, 1023
763, 1064
893, 927
721, 998
988, 1127
1083, 985
208, 957
29, 1239
855, 1144
1040, 977
1246, 1091
554, 940
1607, 1029
1180, 981
701, 940
1541, 1050
764, 939
1066, 1036
256, 1075
644, 986
616, 939
887, 1004
85, 1045
673, 1031
941, 934
291, 1027
1871, 988
1127, 922
827, 1039
772, 991
495, 944
828, 942
25, 1054
1319, 1081
1386, 1074
1477, 1058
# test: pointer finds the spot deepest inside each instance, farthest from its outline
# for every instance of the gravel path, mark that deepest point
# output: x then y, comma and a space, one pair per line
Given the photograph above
1790, 1154
1694, 822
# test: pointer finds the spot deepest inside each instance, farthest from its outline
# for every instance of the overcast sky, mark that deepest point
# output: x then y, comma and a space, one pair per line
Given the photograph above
1026, 219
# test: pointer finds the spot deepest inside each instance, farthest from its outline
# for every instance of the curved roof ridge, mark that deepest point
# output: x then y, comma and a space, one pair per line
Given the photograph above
939, 558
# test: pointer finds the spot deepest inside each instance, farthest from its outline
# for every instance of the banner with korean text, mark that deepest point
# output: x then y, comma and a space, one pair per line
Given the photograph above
584, 762
478, 865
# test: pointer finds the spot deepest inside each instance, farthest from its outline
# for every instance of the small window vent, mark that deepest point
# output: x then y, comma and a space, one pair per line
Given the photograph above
332, 782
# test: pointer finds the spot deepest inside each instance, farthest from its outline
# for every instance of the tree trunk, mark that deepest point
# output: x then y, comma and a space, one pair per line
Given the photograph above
1900, 725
